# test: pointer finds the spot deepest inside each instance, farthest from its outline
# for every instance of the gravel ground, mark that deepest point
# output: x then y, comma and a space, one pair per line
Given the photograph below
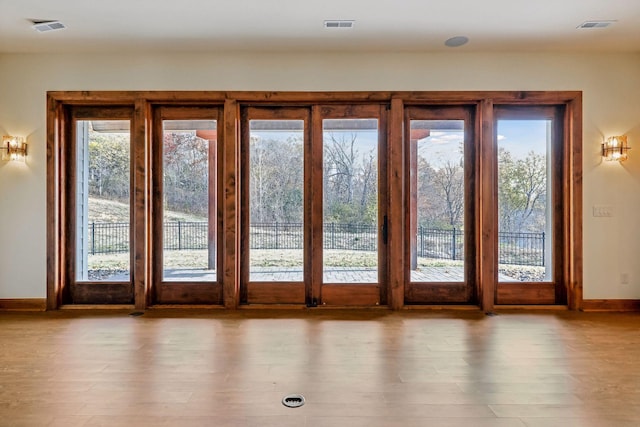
523, 273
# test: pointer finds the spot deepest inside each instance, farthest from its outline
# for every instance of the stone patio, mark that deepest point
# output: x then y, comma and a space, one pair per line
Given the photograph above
332, 275
295, 274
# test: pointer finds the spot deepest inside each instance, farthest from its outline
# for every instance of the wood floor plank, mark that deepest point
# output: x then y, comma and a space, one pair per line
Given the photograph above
412, 422
579, 422
199, 368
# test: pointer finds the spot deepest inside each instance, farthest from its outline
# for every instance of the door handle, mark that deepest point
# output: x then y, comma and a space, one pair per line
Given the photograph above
385, 232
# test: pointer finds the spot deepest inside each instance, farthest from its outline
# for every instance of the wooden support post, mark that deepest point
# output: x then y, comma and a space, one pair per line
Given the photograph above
487, 223
396, 224
231, 204
139, 213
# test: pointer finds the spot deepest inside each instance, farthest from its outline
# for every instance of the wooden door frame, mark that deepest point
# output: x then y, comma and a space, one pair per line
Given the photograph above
553, 292
59, 103
343, 294
464, 292
253, 292
163, 292
92, 291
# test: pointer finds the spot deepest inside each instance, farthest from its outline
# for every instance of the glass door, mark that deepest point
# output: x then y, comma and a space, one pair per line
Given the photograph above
350, 209
441, 210
186, 221
530, 210
313, 230
100, 202
275, 206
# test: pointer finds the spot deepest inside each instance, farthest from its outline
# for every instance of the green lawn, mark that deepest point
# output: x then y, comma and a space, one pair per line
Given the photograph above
104, 210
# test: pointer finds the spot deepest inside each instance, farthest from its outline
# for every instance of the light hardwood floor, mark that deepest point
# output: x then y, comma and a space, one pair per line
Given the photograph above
355, 368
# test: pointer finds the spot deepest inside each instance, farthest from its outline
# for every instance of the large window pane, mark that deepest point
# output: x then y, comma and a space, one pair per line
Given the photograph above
438, 200
189, 200
276, 194
350, 204
103, 200
524, 200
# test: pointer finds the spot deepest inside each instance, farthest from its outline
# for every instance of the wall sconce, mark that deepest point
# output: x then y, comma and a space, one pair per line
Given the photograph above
615, 148
14, 148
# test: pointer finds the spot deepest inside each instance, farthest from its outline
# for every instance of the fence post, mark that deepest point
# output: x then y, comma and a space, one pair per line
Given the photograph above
333, 236
453, 244
93, 238
179, 235
277, 237
543, 247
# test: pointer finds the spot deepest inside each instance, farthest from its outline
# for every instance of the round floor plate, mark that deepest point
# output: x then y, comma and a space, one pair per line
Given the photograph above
293, 400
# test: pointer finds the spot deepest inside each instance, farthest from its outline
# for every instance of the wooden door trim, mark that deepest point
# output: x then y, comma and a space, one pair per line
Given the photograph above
91, 291
344, 293
102, 293
61, 103
279, 293
556, 290
437, 293
230, 204
510, 293
178, 292
351, 295
487, 221
396, 205
445, 292
189, 293
273, 292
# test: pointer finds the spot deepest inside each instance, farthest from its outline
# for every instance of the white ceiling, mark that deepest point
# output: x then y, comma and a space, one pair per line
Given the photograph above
297, 25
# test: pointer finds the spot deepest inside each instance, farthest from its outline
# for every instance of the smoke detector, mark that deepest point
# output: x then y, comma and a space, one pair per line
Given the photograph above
44, 26
596, 24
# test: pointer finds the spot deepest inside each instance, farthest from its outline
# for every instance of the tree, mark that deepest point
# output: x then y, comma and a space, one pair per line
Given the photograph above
186, 172
522, 186
449, 183
276, 176
350, 181
440, 201
109, 158
427, 209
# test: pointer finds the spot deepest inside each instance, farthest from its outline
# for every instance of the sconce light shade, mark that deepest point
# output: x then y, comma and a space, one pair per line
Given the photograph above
615, 148
14, 148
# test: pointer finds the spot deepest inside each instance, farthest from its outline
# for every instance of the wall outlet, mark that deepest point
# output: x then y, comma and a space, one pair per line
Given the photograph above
603, 211
624, 278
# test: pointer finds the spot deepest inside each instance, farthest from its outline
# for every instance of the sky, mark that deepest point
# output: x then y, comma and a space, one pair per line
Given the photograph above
517, 136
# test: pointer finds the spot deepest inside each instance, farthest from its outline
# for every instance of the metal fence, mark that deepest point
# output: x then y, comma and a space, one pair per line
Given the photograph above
521, 248
276, 235
441, 244
113, 237
180, 235
513, 248
108, 237
356, 237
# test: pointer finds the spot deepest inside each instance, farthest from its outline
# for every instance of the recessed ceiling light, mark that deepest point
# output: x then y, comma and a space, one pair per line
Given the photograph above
339, 23
596, 24
43, 26
456, 41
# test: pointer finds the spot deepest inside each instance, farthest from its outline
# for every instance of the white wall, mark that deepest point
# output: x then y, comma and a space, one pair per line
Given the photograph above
610, 83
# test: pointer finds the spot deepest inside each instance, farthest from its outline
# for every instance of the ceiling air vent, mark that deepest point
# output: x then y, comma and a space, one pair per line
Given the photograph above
338, 24
43, 26
596, 24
